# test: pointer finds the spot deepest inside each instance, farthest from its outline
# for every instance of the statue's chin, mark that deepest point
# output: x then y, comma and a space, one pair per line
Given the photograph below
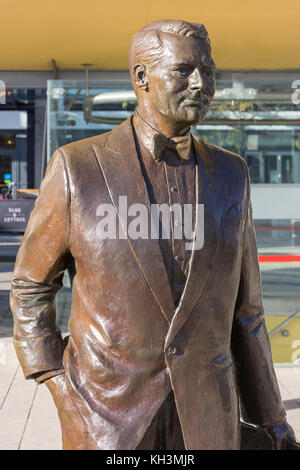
195, 115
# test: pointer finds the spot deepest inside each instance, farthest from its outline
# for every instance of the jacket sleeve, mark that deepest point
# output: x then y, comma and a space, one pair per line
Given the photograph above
261, 402
37, 277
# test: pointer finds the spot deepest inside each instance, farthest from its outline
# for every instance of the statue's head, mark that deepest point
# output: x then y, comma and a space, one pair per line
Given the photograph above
172, 69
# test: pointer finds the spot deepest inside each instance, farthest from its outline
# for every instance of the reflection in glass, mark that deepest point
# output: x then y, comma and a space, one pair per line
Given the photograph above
7, 141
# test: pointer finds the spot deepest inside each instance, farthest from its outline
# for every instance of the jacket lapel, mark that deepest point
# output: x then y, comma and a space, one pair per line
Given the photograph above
120, 166
202, 260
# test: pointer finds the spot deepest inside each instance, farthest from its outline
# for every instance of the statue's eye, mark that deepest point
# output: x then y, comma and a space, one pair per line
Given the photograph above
209, 73
183, 72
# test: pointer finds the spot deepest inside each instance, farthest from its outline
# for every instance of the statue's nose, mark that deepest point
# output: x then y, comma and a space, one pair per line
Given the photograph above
196, 80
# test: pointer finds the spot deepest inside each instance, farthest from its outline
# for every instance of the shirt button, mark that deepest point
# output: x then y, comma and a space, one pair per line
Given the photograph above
171, 350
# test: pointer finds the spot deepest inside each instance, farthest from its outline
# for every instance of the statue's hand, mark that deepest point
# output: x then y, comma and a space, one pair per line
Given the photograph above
280, 435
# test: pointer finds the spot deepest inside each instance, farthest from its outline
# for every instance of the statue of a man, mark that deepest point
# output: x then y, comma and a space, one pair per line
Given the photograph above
166, 342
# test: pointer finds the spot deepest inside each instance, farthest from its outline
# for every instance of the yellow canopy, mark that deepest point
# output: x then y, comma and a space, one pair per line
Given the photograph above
256, 34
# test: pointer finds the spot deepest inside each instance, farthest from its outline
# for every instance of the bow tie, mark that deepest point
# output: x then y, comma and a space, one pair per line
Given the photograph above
181, 146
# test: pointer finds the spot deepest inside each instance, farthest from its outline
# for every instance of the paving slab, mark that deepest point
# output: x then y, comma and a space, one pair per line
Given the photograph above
43, 430
289, 377
15, 411
9, 365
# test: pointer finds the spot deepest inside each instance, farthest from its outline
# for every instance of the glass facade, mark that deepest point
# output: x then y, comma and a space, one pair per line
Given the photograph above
272, 152
67, 119
7, 153
263, 126
21, 139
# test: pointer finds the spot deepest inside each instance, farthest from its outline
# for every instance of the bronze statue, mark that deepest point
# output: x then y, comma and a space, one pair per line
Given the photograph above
166, 343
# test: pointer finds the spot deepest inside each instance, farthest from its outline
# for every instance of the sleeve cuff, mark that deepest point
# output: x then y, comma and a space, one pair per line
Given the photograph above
40, 354
40, 378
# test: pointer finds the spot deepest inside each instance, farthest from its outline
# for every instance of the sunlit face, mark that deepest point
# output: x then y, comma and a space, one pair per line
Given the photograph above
182, 84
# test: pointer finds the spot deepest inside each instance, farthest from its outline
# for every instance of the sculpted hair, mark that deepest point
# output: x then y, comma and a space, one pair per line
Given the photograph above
147, 47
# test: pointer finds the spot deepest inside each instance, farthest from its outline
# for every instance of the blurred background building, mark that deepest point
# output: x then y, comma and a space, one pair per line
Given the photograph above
64, 76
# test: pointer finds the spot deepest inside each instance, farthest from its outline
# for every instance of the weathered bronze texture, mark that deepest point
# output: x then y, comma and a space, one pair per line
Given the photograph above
149, 364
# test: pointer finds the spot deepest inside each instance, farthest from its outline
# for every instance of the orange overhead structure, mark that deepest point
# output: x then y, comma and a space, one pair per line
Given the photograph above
256, 34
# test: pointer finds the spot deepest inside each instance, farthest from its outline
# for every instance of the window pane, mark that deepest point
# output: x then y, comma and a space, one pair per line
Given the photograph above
5, 166
7, 141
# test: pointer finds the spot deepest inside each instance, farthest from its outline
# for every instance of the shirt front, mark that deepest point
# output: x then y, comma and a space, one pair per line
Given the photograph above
170, 180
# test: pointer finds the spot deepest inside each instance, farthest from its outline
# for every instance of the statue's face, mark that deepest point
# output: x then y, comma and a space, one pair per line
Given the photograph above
182, 85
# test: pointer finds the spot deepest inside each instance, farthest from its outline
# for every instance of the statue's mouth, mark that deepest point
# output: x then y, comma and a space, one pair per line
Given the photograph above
203, 101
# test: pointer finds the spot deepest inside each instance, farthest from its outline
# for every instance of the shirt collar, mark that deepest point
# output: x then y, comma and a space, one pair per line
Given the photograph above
148, 135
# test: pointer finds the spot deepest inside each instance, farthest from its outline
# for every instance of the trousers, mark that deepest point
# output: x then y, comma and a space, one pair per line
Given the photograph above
164, 432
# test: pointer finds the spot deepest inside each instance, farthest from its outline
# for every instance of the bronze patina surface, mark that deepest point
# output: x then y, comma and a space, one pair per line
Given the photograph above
166, 345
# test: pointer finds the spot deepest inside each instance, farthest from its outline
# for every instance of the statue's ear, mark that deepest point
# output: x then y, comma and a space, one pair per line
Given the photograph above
140, 76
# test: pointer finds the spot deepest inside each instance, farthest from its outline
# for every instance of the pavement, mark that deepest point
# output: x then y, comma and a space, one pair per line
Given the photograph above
28, 415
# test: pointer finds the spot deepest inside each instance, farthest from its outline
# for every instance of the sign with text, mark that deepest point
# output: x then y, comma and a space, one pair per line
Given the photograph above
14, 214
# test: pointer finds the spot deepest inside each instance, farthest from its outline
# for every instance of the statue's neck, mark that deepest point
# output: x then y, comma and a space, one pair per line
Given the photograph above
161, 123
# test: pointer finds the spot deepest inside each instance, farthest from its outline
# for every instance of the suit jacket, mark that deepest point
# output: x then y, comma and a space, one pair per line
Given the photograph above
129, 345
